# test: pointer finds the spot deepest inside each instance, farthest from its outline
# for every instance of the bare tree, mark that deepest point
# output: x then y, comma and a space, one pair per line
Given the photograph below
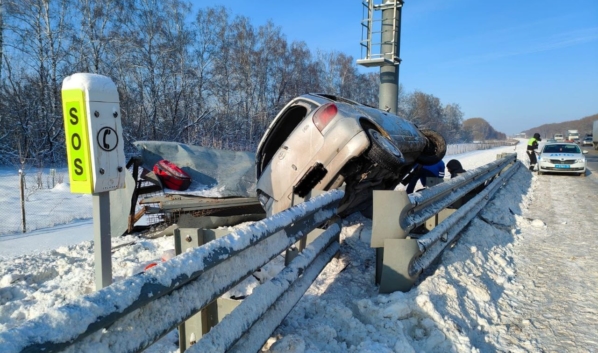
97, 25
215, 81
1, 37
39, 31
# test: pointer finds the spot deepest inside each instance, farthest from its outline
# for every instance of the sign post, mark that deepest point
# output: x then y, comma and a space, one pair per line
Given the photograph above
95, 153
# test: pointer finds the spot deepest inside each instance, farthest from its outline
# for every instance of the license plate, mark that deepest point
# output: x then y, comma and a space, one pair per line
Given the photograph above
561, 166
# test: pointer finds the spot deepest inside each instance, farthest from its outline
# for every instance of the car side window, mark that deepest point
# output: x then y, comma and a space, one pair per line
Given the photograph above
287, 123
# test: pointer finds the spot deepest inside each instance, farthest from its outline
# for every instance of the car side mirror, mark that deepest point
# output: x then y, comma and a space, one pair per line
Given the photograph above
585, 152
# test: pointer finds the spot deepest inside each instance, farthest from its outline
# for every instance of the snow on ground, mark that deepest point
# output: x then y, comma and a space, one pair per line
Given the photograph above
517, 280
48, 201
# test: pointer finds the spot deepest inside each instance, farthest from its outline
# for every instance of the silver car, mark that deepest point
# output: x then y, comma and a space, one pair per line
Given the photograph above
320, 142
562, 158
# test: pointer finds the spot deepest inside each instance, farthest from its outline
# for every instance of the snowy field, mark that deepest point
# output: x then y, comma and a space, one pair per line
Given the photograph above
493, 291
48, 201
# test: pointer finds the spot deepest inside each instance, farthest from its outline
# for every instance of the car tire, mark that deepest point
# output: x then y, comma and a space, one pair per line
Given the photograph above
582, 174
435, 148
383, 152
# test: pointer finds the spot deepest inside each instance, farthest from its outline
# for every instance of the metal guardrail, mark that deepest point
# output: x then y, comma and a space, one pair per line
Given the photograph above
397, 214
177, 289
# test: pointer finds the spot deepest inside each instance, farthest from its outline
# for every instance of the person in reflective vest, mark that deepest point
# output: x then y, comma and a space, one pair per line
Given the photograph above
532, 146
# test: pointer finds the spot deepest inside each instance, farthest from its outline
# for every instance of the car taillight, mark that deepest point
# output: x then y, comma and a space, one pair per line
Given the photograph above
324, 115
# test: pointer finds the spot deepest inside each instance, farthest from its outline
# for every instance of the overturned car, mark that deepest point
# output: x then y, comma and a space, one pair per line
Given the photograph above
319, 142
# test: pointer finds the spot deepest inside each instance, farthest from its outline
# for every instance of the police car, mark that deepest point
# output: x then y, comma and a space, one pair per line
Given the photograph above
562, 158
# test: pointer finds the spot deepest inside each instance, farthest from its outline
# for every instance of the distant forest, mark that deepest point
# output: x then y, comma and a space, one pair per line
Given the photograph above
207, 78
583, 125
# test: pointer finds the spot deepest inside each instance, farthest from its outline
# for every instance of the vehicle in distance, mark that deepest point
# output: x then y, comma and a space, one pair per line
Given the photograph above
562, 158
559, 137
320, 141
588, 141
551, 141
595, 134
573, 135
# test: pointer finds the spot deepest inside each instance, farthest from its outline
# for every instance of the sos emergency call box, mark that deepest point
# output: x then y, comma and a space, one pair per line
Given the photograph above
93, 134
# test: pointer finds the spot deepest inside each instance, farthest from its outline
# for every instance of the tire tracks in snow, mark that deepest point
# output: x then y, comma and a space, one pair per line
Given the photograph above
552, 305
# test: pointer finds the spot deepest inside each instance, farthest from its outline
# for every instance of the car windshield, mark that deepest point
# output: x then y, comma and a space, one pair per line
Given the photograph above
561, 148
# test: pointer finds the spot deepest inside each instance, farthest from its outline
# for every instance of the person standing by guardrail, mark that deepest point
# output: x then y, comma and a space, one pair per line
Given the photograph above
455, 168
532, 146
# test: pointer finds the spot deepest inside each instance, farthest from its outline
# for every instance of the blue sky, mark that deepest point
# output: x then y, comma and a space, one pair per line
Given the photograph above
517, 64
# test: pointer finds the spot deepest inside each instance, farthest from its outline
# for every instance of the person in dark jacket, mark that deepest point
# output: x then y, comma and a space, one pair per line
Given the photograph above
532, 146
421, 172
455, 168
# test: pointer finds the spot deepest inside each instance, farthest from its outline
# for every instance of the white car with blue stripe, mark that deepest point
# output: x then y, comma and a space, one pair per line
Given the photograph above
562, 158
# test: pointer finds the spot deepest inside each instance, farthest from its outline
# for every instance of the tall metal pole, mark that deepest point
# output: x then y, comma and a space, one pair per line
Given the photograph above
389, 73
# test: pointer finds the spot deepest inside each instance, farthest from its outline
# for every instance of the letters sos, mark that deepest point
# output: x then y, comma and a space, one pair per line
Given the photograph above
76, 142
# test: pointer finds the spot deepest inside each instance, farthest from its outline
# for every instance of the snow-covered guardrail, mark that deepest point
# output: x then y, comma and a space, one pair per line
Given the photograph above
444, 209
131, 314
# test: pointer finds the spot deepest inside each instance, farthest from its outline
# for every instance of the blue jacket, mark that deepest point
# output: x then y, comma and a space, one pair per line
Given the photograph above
436, 169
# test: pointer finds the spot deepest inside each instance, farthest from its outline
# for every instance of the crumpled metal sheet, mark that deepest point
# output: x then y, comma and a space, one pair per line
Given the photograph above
214, 172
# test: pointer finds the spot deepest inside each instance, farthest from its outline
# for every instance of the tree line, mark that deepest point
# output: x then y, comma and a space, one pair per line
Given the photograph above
207, 78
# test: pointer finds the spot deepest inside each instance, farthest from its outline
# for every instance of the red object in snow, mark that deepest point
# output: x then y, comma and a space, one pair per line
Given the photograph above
172, 176
150, 266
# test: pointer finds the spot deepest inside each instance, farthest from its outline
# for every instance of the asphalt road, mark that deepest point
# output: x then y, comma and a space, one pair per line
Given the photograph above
592, 158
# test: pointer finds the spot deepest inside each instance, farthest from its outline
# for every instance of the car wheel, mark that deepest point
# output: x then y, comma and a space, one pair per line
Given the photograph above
435, 148
383, 152
582, 174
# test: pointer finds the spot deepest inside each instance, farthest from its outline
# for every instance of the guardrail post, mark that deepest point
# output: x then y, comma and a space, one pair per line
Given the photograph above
395, 266
199, 324
299, 246
508, 165
389, 237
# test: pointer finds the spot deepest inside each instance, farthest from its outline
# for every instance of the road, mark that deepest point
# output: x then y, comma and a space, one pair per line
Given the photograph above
554, 299
592, 158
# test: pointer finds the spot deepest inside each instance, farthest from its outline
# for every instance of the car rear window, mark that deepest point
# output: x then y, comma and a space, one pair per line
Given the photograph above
286, 124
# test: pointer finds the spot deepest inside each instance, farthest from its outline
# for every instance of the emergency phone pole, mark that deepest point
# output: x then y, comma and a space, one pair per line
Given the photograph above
95, 153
